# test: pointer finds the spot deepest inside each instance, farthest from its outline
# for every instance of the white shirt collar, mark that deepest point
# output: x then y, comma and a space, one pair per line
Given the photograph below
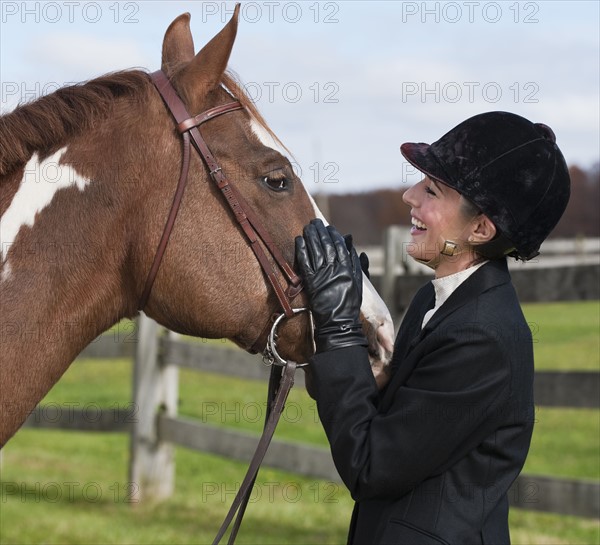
445, 286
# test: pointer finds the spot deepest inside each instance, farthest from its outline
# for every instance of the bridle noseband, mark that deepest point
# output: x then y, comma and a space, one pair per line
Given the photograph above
253, 229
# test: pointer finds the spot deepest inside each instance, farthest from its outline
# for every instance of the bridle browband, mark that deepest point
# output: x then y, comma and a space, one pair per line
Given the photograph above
253, 229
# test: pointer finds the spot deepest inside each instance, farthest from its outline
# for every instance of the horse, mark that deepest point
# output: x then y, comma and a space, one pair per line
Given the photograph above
87, 177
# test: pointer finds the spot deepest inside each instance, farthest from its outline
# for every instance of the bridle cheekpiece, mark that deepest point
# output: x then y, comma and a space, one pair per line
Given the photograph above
256, 234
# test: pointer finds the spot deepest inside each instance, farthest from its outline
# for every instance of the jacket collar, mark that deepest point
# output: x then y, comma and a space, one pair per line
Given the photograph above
490, 275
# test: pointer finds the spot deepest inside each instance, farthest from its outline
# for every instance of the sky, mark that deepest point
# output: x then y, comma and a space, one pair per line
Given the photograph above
342, 83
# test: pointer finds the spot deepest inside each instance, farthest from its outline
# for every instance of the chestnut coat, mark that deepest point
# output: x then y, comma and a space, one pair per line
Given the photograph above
429, 460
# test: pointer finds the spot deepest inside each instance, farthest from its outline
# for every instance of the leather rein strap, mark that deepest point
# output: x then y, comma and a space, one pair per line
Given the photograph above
252, 227
280, 384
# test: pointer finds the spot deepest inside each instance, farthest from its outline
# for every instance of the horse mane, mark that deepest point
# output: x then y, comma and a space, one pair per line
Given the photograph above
54, 118
69, 111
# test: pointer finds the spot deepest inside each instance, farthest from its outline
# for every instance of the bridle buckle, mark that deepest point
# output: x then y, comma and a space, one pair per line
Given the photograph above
270, 354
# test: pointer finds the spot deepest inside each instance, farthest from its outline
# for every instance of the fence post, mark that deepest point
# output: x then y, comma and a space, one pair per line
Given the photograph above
393, 237
395, 255
155, 391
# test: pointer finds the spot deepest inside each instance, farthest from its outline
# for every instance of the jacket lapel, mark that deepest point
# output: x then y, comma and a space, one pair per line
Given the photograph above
410, 335
490, 275
410, 328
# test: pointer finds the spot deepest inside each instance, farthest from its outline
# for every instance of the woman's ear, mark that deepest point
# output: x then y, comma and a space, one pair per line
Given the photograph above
483, 230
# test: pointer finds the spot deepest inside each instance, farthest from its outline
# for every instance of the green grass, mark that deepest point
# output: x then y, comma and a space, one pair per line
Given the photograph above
566, 443
530, 528
63, 488
566, 336
95, 506
71, 488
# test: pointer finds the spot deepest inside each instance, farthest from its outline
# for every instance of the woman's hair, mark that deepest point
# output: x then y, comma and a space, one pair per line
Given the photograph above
496, 248
468, 209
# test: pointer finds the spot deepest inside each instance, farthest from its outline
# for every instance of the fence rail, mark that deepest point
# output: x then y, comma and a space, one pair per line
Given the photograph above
152, 421
566, 270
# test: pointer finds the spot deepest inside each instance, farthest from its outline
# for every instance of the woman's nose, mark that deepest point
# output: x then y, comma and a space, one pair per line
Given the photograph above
409, 196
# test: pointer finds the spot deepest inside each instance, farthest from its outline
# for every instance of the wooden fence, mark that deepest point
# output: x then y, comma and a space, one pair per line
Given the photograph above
155, 427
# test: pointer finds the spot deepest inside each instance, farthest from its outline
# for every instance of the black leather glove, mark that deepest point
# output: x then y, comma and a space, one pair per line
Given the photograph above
364, 264
333, 285
363, 258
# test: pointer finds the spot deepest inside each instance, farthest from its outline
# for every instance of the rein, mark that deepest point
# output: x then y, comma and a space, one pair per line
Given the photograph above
282, 371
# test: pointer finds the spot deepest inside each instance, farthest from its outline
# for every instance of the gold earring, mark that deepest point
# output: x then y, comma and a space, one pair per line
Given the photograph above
449, 248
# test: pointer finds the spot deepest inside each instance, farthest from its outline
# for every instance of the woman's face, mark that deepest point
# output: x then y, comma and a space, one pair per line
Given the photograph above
437, 216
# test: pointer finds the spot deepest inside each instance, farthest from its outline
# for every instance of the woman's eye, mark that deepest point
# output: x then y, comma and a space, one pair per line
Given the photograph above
429, 190
276, 183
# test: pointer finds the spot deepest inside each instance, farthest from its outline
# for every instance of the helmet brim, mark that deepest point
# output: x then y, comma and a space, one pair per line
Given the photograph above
422, 157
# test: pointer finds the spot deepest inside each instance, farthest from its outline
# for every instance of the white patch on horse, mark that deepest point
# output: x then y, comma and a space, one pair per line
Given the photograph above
265, 138
373, 308
40, 182
318, 213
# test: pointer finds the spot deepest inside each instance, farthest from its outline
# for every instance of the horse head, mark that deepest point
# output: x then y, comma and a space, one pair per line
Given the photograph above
211, 284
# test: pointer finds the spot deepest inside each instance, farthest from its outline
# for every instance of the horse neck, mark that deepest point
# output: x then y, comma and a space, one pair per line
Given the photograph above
64, 276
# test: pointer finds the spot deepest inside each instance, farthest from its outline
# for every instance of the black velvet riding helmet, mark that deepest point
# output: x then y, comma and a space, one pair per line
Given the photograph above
509, 168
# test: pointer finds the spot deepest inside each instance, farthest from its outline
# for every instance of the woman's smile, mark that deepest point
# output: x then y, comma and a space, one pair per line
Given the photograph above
437, 216
417, 226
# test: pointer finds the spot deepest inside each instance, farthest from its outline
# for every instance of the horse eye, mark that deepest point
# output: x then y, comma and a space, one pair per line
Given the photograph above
276, 184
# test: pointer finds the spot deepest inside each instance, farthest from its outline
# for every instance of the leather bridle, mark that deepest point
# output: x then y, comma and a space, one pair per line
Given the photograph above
258, 237
282, 371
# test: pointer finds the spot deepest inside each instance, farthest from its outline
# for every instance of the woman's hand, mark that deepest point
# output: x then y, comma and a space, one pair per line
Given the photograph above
333, 285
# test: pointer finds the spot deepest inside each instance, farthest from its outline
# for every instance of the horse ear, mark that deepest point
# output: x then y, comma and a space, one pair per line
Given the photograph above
178, 45
205, 71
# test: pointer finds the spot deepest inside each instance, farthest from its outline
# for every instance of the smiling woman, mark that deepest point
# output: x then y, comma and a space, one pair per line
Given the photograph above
443, 213
431, 459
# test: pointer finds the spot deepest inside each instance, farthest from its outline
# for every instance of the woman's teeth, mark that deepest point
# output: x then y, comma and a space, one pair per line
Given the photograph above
419, 225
